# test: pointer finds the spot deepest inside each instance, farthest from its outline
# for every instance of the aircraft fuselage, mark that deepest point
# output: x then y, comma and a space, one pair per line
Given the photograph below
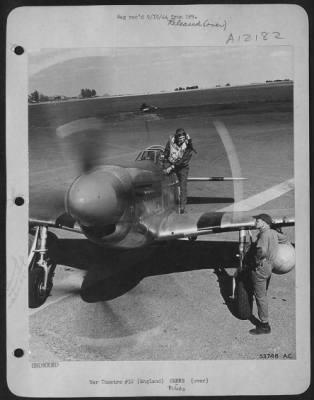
123, 205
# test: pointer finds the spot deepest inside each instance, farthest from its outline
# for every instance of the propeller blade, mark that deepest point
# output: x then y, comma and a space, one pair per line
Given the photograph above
84, 142
226, 139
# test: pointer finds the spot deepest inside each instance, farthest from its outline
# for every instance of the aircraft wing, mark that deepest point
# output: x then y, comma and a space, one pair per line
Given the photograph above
63, 221
177, 226
216, 179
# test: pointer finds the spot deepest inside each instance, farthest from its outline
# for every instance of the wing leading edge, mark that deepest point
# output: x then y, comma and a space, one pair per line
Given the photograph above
185, 225
216, 179
64, 221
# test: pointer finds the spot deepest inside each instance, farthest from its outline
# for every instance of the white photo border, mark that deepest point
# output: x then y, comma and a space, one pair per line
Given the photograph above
108, 30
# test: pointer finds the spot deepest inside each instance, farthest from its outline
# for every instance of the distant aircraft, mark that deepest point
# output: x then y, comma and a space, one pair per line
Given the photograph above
129, 206
148, 108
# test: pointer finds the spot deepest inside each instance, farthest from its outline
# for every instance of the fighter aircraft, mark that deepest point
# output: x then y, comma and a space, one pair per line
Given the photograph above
131, 205
146, 108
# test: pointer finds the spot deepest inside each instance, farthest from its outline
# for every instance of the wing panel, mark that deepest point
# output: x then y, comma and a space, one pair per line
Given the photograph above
64, 221
184, 225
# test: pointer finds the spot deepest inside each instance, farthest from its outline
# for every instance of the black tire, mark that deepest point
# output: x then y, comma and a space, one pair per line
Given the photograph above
36, 295
243, 296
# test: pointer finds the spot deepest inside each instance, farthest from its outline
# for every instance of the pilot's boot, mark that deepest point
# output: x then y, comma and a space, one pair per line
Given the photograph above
261, 329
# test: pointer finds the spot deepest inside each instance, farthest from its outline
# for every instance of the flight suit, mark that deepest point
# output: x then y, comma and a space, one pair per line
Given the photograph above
181, 168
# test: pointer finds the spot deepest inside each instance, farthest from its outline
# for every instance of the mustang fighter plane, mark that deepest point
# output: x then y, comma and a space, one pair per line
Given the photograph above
134, 205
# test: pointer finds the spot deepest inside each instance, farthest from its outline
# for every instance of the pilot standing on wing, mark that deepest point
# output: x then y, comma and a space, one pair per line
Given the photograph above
265, 250
177, 155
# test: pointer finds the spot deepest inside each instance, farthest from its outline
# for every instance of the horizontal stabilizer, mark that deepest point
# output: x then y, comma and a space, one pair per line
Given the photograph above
216, 179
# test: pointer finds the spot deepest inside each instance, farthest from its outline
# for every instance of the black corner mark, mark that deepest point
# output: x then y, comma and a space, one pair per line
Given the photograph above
18, 50
19, 201
18, 353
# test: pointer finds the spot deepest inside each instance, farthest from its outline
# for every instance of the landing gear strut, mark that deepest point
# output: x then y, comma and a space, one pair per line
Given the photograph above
242, 293
40, 266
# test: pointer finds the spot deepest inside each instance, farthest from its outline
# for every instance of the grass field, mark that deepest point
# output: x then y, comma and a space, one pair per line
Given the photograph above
61, 112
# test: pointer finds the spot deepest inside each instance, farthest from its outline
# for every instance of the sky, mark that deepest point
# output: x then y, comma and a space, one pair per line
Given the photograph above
119, 71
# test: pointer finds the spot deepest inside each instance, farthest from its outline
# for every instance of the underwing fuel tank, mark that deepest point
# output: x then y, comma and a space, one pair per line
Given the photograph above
284, 261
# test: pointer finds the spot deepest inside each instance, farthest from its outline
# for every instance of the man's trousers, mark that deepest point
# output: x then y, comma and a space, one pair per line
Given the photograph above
260, 279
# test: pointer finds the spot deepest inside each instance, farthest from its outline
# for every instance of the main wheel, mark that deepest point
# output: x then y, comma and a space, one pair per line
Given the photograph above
37, 295
243, 296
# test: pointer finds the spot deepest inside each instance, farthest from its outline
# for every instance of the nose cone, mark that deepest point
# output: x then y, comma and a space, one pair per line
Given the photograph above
96, 199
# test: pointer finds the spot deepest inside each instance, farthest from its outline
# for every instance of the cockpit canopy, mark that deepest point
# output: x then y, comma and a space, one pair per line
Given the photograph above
152, 153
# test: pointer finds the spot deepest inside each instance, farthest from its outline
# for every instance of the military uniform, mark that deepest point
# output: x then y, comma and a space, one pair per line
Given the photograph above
266, 247
177, 159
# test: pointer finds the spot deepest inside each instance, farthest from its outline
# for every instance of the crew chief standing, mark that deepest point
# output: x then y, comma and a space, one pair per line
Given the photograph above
178, 154
266, 248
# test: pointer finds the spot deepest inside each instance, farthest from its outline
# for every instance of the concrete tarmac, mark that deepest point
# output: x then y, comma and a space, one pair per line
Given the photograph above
169, 301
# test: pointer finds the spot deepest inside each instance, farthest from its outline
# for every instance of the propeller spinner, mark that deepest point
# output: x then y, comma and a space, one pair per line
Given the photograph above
97, 198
